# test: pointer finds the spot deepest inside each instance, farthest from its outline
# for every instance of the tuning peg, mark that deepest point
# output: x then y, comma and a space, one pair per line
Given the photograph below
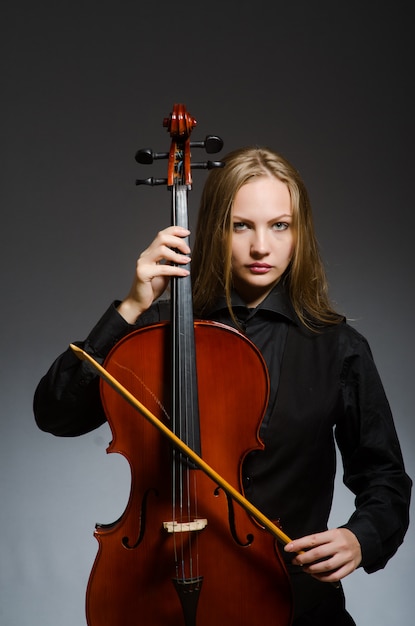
151, 181
207, 165
211, 144
146, 156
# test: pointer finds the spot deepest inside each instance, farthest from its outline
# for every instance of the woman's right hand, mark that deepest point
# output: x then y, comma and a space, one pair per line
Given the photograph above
154, 268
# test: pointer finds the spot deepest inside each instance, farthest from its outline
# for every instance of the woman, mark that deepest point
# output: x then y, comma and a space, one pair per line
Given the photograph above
256, 267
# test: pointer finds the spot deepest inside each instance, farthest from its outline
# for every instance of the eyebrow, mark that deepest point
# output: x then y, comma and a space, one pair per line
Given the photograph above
274, 219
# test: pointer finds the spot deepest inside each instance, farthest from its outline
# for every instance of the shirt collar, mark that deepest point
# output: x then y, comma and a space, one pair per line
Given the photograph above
277, 302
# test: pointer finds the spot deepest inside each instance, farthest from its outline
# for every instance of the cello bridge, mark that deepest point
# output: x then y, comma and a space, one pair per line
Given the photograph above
184, 527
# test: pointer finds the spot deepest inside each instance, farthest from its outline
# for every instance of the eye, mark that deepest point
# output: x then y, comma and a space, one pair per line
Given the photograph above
238, 226
280, 226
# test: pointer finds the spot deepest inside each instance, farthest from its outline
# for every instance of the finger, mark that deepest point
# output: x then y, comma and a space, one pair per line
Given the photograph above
173, 256
307, 542
162, 271
333, 567
173, 237
178, 231
305, 559
167, 270
163, 254
174, 243
157, 263
334, 575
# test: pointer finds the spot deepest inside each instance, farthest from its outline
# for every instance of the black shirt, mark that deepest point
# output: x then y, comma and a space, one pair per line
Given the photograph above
324, 386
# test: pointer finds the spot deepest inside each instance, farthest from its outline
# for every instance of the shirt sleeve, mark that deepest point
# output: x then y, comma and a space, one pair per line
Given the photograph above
372, 460
67, 400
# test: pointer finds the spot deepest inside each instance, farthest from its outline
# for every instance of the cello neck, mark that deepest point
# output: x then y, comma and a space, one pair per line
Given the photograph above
185, 405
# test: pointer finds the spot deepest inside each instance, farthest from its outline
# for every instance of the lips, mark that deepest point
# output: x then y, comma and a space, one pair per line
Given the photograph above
259, 268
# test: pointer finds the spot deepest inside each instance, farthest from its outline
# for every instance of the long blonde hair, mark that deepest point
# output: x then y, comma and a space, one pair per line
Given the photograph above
305, 277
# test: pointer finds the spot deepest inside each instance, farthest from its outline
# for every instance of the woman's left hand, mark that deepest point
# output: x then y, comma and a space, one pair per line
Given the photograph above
328, 556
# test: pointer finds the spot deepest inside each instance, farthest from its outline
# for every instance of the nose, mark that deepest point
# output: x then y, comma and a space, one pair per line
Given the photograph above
259, 243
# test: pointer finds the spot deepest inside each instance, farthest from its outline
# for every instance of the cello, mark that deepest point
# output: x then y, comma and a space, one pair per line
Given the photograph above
188, 550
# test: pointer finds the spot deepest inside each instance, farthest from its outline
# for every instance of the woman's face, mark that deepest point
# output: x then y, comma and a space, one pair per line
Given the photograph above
262, 237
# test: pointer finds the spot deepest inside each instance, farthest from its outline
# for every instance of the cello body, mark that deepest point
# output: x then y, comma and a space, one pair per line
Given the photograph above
235, 574
183, 553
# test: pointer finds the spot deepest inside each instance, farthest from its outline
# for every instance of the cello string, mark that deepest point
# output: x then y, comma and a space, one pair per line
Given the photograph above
192, 474
173, 513
184, 344
191, 390
180, 463
184, 399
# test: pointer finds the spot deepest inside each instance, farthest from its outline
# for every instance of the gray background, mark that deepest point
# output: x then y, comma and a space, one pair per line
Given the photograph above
329, 84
